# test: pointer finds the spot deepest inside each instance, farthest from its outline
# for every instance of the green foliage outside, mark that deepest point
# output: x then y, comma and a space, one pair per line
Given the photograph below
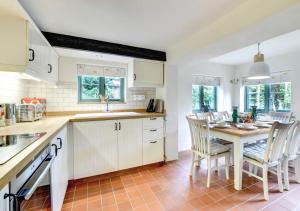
203, 95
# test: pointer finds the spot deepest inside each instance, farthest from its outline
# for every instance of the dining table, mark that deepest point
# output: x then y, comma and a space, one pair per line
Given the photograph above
239, 137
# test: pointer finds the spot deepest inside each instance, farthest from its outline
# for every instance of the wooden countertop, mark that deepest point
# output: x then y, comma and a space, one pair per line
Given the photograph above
240, 132
51, 125
113, 115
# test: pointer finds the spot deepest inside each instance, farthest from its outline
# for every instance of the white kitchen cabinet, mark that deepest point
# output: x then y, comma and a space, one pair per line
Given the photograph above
129, 143
24, 49
153, 140
4, 203
145, 73
14, 43
59, 169
95, 148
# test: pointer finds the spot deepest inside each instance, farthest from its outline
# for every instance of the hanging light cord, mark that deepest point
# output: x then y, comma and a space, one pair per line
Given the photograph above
258, 44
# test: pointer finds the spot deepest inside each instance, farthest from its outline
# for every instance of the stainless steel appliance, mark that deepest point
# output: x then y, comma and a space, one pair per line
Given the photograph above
29, 112
30, 189
10, 113
11, 145
159, 106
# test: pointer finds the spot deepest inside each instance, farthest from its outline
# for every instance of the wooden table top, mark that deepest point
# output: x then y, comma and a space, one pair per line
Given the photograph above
241, 132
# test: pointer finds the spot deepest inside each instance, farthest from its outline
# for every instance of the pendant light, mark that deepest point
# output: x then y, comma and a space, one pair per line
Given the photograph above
259, 69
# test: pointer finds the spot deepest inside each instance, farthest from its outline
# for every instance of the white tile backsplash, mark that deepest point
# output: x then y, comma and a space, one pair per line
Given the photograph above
12, 88
63, 97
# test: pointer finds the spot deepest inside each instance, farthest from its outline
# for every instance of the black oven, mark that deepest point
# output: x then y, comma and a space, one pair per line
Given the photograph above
30, 189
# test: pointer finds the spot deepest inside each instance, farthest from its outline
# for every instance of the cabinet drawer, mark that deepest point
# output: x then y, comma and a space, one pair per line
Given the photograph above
153, 122
153, 134
153, 151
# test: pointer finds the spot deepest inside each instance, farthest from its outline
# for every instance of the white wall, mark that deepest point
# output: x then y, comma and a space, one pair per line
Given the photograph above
289, 61
184, 94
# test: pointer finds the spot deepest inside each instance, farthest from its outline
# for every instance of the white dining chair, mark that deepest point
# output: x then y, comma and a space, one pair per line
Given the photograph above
281, 116
221, 115
205, 116
267, 155
204, 148
292, 153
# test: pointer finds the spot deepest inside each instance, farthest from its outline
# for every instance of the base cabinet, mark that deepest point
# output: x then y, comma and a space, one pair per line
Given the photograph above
59, 170
95, 148
106, 146
4, 203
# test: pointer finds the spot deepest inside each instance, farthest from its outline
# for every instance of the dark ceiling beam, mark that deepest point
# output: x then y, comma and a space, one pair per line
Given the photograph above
67, 41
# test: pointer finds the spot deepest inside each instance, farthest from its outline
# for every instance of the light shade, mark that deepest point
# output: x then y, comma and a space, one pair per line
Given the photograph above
259, 70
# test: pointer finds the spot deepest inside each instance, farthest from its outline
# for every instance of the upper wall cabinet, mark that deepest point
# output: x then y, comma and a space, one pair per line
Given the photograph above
14, 43
24, 49
145, 73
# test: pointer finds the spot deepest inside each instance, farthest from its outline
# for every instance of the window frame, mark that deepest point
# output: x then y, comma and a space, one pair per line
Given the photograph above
267, 98
101, 90
201, 97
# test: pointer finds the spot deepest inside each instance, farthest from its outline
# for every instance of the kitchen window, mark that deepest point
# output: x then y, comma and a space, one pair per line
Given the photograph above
268, 97
91, 87
204, 97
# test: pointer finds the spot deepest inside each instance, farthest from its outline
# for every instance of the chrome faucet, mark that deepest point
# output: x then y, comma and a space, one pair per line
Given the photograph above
107, 104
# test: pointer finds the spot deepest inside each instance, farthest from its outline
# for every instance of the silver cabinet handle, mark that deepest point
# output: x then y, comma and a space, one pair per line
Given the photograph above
116, 126
153, 142
153, 130
119, 125
153, 118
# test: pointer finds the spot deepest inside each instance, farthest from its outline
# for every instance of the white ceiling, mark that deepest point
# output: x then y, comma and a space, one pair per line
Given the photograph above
154, 24
279, 45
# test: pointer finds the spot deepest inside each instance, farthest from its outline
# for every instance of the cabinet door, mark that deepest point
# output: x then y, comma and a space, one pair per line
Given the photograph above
14, 43
39, 53
95, 148
130, 140
148, 73
4, 203
52, 72
59, 171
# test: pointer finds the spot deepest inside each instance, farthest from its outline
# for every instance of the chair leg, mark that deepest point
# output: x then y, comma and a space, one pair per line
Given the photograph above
192, 166
208, 172
216, 164
199, 161
227, 164
279, 177
255, 170
265, 182
286, 174
297, 169
250, 169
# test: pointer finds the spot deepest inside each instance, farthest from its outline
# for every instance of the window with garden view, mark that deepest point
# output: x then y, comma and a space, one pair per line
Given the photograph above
204, 98
91, 87
268, 97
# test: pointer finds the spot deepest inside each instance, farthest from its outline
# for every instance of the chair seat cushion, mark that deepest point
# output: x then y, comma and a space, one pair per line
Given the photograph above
216, 148
221, 141
255, 151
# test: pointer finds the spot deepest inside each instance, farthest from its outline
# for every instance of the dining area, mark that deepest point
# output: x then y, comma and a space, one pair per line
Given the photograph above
251, 144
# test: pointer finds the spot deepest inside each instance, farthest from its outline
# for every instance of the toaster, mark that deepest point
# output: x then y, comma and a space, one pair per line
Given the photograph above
29, 112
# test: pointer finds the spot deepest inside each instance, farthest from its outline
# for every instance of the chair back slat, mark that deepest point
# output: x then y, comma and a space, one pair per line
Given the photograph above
293, 141
282, 116
277, 141
221, 115
205, 116
199, 130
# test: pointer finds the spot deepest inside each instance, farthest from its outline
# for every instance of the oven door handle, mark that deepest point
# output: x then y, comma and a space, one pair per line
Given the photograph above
37, 179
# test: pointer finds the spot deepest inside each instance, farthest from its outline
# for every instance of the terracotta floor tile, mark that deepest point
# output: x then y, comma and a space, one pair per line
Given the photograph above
124, 206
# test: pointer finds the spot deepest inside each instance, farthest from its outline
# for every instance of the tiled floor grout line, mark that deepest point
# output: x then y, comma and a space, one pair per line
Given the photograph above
278, 199
126, 193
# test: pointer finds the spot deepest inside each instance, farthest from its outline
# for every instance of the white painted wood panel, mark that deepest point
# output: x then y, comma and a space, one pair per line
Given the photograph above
4, 203
95, 148
153, 122
153, 151
14, 43
130, 143
153, 134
